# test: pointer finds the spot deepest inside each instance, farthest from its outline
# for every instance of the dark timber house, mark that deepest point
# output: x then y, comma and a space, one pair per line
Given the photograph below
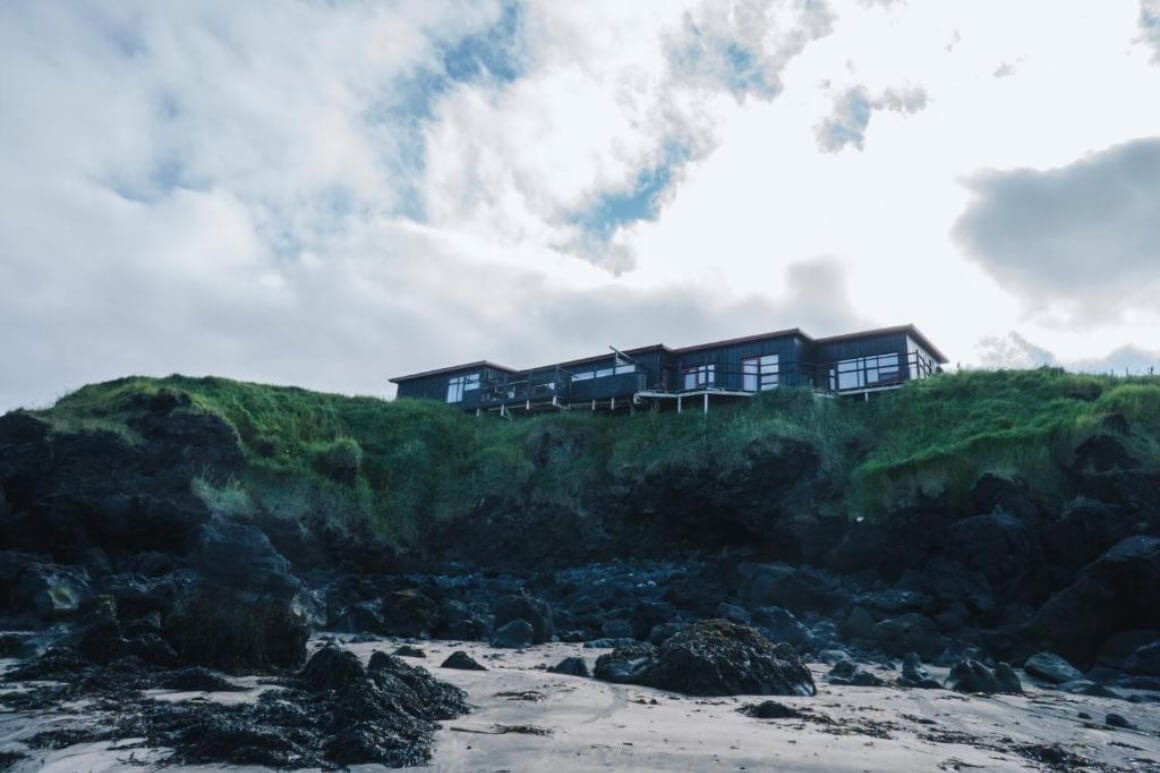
851, 364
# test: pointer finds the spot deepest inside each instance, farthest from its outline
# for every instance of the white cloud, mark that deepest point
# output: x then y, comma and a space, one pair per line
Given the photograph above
325, 194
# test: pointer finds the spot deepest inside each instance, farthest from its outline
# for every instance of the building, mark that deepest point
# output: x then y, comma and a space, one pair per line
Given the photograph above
851, 364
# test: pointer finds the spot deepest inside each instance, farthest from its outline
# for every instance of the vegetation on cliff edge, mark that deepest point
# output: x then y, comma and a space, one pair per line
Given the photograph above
391, 467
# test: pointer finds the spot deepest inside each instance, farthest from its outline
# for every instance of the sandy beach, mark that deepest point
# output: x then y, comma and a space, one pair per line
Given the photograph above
527, 719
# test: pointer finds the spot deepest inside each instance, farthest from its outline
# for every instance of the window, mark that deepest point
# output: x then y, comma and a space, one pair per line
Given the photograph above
618, 369
759, 373
700, 376
458, 385
865, 372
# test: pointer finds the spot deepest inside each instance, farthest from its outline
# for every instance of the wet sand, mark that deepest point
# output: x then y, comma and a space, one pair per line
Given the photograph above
526, 719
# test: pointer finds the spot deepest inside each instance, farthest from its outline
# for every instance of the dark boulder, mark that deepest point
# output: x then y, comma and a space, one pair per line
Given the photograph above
410, 612
910, 632
914, 675
971, 676
461, 661
515, 634
232, 554
532, 610
238, 630
571, 666
713, 657
770, 710
332, 668
846, 672
1109, 596
1145, 661
1005, 550
1051, 668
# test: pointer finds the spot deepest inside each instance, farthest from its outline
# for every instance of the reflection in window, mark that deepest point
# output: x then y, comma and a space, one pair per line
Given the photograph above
697, 377
458, 385
866, 372
619, 369
759, 373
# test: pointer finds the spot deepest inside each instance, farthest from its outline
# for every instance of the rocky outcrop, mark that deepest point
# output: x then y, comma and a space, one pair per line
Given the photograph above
1110, 595
713, 657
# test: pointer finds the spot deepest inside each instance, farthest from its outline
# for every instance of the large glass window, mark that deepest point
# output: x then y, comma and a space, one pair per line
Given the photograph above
760, 373
700, 376
867, 372
457, 386
614, 370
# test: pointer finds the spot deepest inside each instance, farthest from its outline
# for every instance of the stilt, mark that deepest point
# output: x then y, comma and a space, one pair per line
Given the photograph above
678, 403
706, 408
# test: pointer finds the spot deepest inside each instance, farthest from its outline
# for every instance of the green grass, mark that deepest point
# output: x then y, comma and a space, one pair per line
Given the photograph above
392, 468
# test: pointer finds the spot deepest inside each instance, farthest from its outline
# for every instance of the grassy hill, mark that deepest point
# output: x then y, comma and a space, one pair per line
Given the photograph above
393, 467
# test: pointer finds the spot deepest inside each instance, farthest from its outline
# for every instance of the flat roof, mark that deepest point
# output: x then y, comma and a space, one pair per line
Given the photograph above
910, 330
793, 331
454, 368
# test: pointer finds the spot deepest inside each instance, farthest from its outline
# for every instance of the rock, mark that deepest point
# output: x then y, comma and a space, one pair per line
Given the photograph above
713, 657
332, 668
647, 615
1118, 720
794, 588
1086, 687
409, 651
910, 632
534, 611
47, 592
462, 661
769, 710
571, 666
859, 624
1004, 549
846, 672
1145, 661
410, 613
232, 554
616, 629
234, 629
914, 675
663, 632
1104, 599
1051, 668
779, 624
515, 634
630, 664
196, 678
734, 613
971, 676
832, 656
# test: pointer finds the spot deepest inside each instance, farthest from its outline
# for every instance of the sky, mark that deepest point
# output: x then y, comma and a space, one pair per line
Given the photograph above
331, 194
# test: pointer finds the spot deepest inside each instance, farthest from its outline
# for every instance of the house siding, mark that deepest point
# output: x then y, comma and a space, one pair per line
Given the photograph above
836, 364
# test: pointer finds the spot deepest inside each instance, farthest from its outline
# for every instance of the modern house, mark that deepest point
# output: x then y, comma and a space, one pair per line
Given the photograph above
851, 364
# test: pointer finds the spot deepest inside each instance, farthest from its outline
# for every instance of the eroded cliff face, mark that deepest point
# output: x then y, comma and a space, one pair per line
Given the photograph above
758, 536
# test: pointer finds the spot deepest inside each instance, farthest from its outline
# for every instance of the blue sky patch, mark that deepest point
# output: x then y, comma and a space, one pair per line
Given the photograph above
613, 210
491, 53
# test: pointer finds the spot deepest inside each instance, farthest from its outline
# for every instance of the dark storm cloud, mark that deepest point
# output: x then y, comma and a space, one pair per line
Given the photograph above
1087, 233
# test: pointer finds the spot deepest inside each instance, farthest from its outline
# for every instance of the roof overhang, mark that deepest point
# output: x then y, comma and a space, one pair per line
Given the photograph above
451, 370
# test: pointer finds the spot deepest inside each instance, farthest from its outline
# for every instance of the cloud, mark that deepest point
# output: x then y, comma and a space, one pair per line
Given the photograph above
595, 140
852, 112
1014, 351
1086, 234
1150, 25
744, 46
